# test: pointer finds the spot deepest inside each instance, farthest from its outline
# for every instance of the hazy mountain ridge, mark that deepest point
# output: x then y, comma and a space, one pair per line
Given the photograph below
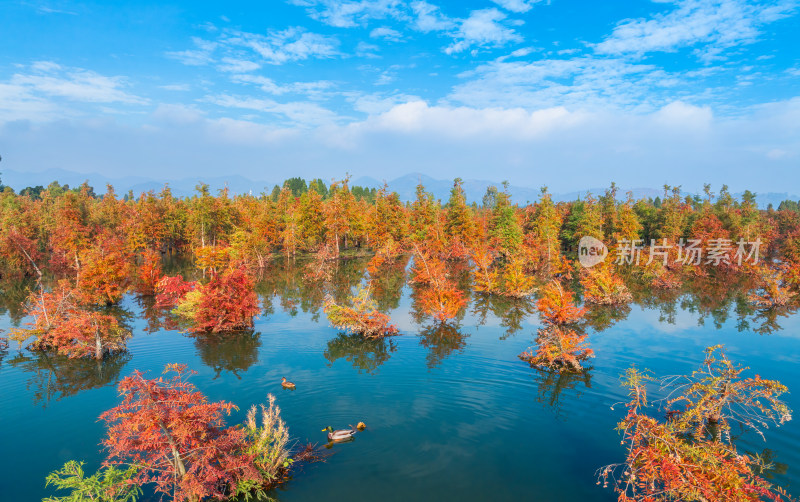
404, 185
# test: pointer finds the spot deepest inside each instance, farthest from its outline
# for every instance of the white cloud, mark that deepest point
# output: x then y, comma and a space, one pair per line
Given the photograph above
711, 25
683, 116
482, 28
584, 82
233, 65
176, 87
300, 113
291, 44
429, 17
75, 84
516, 5
200, 56
315, 89
530, 147
276, 47
465, 122
347, 14
386, 34
366, 50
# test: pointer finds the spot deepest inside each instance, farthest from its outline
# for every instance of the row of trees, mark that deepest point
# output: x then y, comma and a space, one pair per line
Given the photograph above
100, 248
65, 227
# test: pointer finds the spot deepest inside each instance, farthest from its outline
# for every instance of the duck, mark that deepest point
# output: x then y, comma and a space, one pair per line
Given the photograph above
340, 435
287, 384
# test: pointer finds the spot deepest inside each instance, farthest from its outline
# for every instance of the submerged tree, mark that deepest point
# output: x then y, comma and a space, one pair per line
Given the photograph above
177, 438
361, 318
690, 456
62, 323
227, 303
560, 344
603, 286
438, 296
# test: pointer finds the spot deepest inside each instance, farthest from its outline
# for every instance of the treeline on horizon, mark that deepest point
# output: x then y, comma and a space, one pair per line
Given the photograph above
107, 244
304, 217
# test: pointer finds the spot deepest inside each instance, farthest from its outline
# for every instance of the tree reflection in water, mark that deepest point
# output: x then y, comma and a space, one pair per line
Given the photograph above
54, 376
765, 321
365, 354
512, 312
601, 317
441, 339
550, 385
234, 352
3, 349
388, 282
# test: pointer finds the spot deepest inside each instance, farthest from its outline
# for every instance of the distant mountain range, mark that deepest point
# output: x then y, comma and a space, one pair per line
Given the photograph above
405, 186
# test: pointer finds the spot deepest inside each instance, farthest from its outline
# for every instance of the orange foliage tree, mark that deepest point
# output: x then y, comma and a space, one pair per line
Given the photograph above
690, 455
104, 276
773, 289
485, 278
171, 290
515, 282
149, 273
560, 346
62, 323
438, 297
602, 286
362, 317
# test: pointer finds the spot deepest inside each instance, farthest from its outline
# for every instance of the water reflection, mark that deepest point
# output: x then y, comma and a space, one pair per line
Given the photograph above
365, 354
13, 293
512, 312
550, 385
3, 349
233, 352
156, 318
601, 317
54, 376
765, 321
441, 339
388, 282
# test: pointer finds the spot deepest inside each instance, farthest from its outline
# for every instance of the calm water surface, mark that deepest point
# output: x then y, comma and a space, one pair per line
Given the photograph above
451, 414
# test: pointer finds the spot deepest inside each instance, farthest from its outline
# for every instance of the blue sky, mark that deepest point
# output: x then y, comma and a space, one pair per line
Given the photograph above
572, 94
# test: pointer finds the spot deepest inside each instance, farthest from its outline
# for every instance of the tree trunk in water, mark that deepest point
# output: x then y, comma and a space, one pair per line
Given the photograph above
98, 345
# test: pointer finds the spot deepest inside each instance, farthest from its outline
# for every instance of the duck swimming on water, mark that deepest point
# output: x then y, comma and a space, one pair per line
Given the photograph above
287, 384
340, 434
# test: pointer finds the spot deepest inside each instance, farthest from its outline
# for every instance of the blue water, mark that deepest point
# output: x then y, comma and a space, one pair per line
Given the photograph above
450, 416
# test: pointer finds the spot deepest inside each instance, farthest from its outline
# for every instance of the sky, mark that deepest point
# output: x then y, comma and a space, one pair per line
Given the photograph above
565, 93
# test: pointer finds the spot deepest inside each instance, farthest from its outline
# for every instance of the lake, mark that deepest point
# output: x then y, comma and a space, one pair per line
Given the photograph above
451, 413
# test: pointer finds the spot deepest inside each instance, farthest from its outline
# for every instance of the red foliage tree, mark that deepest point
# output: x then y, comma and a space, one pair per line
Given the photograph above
61, 323
177, 437
149, 273
171, 290
227, 303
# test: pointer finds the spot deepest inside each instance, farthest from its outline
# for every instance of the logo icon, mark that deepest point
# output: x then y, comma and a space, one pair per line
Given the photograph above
591, 251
